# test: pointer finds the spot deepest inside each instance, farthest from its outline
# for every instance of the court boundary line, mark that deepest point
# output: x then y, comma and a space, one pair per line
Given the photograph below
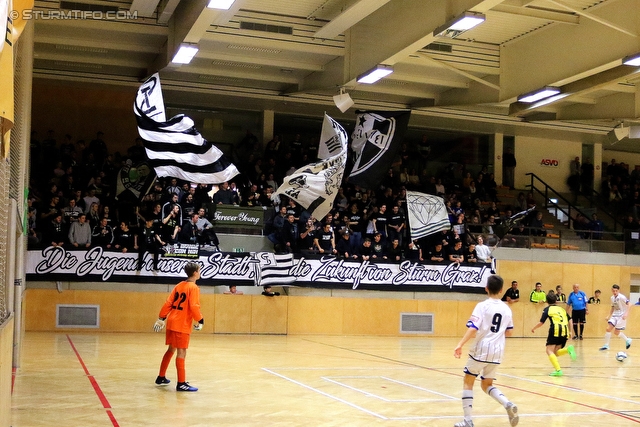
614, 413
95, 385
578, 390
353, 405
426, 417
384, 399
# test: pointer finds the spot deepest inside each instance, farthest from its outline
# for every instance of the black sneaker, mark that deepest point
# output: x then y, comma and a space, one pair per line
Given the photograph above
162, 380
185, 387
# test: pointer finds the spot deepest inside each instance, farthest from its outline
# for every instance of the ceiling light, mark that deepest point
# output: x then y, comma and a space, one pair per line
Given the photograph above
375, 74
633, 60
220, 4
185, 54
539, 94
459, 24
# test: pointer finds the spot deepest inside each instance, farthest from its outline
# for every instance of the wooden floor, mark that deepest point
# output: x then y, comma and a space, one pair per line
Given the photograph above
86, 380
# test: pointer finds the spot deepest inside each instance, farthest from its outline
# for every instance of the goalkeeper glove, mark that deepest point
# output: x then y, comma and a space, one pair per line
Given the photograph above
198, 326
159, 325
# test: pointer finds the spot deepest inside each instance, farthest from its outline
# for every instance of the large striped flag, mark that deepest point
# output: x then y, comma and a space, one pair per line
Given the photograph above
273, 269
375, 142
315, 186
427, 214
175, 148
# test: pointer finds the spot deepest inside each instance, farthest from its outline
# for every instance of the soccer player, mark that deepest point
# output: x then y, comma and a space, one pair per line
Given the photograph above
181, 308
490, 322
579, 310
617, 318
559, 331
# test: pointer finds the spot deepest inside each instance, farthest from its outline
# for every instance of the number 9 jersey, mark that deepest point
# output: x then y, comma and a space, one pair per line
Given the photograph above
182, 307
491, 318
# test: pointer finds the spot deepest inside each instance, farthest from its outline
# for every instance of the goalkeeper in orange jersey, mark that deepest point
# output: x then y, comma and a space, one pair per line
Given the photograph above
181, 308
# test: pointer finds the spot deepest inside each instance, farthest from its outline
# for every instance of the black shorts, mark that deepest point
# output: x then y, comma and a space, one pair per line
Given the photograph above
561, 341
579, 316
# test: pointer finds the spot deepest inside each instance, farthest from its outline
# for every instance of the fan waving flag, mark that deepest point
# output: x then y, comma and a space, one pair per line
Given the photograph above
375, 142
174, 147
315, 186
427, 214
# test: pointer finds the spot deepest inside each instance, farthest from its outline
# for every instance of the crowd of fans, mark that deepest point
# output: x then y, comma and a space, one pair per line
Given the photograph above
72, 202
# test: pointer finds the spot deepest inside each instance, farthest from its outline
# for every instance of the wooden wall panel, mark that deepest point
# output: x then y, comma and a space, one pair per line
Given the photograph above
604, 276
516, 270
375, 316
576, 273
232, 314
464, 308
315, 315
268, 315
518, 309
547, 273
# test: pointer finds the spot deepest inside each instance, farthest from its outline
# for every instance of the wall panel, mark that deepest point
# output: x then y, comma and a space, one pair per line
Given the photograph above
315, 315
232, 314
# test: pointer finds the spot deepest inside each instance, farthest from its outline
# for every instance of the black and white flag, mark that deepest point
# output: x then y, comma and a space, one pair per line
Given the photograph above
273, 269
427, 214
134, 181
315, 186
375, 142
175, 148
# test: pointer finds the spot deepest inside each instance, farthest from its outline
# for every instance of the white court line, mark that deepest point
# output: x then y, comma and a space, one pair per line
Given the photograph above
445, 417
439, 417
359, 368
546, 383
369, 394
326, 394
420, 388
366, 393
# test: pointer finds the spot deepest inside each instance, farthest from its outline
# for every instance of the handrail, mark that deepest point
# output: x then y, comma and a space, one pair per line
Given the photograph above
602, 208
547, 187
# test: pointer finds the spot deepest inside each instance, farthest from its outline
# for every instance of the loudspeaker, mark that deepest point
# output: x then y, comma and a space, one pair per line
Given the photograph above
343, 101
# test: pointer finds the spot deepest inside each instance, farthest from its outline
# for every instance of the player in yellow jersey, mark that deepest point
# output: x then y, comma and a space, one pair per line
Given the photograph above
560, 327
179, 311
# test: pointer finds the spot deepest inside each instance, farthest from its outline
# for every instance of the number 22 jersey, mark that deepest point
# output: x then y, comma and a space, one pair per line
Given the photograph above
182, 307
491, 318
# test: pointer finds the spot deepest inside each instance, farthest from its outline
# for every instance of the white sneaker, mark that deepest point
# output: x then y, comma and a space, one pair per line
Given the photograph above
464, 423
512, 412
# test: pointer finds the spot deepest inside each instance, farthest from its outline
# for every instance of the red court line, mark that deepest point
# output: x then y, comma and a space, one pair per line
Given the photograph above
13, 378
96, 387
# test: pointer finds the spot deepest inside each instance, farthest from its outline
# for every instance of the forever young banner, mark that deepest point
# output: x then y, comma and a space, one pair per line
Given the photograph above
56, 263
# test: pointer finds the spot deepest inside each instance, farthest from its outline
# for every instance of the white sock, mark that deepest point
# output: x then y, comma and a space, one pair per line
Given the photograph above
497, 395
607, 338
467, 403
623, 336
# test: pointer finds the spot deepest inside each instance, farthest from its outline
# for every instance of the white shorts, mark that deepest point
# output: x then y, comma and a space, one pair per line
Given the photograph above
618, 322
484, 369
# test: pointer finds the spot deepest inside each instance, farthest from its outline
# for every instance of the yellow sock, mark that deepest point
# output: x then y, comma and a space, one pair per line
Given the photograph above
554, 361
562, 351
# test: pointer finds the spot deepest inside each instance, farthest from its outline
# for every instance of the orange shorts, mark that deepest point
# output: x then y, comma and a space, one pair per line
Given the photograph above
177, 339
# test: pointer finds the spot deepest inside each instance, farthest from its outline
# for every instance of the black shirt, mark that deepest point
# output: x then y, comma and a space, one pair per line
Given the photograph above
511, 293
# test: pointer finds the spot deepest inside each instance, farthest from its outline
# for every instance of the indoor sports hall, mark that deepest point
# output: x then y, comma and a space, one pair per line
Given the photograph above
537, 104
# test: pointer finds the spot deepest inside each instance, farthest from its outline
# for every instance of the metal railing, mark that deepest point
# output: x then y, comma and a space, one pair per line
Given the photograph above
567, 208
572, 240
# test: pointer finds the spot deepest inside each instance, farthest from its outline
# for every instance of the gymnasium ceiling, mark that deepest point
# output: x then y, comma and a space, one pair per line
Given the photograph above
293, 56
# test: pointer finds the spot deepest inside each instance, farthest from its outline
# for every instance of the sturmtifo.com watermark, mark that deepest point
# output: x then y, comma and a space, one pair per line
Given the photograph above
29, 14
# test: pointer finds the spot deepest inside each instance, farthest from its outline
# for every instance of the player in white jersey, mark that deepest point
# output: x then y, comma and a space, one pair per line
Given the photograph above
617, 318
490, 322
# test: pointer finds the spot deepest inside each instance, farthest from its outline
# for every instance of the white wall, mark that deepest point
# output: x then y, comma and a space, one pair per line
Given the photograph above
530, 152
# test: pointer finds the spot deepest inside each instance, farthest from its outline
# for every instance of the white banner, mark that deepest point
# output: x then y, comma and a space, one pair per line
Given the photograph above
56, 263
